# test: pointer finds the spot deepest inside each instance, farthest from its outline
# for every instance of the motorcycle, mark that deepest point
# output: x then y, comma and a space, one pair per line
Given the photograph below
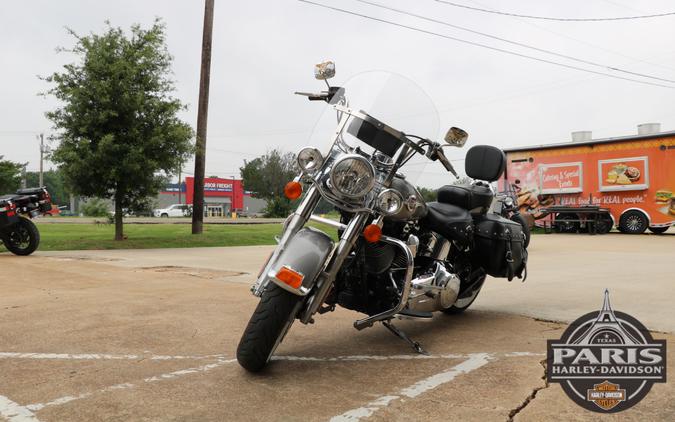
506, 205
17, 232
396, 256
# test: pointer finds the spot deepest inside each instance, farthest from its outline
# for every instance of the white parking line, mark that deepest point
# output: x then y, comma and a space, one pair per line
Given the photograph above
100, 356
475, 361
14, 412
124, 386
17, 413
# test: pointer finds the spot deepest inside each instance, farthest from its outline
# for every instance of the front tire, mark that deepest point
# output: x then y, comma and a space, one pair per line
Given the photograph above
22, 238
268, 325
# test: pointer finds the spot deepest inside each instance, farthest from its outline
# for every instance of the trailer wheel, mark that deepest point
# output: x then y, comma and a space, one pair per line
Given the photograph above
633, 222
605, 224
562, 225
659, 230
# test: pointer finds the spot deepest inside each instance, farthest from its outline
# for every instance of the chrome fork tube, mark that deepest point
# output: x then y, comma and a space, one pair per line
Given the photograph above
294, 223
326, 278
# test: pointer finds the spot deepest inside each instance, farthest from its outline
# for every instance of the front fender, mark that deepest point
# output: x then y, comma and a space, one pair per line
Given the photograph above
306, 253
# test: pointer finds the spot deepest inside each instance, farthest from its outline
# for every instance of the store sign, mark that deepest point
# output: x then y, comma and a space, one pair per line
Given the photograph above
623, 174
174, 187
217, 187
561, 178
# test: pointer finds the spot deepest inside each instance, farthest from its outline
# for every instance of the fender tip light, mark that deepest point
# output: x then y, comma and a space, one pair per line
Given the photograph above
293, 190
288, 276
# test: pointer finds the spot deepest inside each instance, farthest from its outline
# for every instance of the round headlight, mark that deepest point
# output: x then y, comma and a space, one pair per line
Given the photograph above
508, 201
310, 159
352, 176
389, 201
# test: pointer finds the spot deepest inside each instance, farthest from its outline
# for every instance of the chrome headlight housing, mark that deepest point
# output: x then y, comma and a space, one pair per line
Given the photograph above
389, 201
352, 176
310, 159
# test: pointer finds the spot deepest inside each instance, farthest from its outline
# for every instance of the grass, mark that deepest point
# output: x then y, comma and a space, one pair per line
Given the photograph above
64, 236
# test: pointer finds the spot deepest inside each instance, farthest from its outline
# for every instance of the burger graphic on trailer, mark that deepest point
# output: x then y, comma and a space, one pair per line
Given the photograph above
627, 182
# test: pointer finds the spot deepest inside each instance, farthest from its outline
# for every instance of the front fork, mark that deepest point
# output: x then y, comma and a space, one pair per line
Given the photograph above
325, 279
294, 223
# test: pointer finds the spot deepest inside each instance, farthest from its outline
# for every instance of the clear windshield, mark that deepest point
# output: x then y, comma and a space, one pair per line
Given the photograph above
395, 101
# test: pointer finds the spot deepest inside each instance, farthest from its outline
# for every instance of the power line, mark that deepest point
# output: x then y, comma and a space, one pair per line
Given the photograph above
513, 42
549, 18
563, 35
513, 53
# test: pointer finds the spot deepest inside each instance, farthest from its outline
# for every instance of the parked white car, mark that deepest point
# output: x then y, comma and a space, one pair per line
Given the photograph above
175, 210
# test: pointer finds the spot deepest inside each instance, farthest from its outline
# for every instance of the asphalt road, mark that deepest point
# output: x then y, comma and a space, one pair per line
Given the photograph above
151, 335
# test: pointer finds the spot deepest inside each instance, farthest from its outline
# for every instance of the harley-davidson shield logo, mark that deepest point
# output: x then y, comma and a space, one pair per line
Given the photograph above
606, 361
606, 395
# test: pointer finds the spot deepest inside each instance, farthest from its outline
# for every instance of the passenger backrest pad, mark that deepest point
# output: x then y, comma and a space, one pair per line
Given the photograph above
485, 162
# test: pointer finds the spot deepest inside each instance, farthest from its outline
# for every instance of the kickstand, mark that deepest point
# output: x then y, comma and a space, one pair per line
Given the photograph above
400, 334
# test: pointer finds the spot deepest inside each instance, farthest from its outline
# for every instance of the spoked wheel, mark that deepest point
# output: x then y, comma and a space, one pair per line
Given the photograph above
464, 303
633, 222
267, 327
22, 238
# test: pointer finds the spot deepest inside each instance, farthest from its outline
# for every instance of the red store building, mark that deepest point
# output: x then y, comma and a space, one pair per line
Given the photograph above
221, 196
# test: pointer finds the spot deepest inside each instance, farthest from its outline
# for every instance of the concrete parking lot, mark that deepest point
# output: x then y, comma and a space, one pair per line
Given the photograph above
151, 335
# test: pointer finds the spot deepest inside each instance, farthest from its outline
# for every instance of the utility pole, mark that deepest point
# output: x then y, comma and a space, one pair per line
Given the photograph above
202, 116
42, 152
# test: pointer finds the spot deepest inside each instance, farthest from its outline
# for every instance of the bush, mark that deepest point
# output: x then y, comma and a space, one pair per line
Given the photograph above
95, 207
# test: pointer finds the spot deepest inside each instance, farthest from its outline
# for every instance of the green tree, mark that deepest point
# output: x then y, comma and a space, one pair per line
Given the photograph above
95, 207
53, 180
118, 126
429, 195
10, 176
266, 177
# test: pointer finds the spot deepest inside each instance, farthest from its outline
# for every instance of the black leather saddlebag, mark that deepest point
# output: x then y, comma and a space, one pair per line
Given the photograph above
499, 247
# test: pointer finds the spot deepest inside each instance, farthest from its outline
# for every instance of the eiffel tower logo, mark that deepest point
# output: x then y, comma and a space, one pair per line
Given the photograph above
606, 329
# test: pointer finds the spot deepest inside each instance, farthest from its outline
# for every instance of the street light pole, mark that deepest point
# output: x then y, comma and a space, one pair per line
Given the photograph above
202, 116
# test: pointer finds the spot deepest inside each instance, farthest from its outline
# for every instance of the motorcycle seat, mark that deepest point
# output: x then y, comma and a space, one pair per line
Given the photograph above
450, 221
474, 198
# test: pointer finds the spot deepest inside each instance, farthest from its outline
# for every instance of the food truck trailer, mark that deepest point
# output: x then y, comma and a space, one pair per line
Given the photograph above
593, 185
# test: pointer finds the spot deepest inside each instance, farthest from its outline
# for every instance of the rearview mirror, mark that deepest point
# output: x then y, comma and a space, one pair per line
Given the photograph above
456, 137
324, 70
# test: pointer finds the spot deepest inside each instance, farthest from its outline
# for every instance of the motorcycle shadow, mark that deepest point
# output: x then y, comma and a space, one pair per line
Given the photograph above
470, 332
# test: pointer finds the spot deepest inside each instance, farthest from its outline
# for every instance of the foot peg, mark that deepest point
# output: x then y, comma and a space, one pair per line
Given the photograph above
400, 334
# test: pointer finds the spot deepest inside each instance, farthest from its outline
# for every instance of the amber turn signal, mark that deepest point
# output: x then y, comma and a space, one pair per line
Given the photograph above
372, 233
290, 277
293, 190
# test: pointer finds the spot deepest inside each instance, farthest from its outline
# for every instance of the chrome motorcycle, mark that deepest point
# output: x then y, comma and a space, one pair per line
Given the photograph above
396, 256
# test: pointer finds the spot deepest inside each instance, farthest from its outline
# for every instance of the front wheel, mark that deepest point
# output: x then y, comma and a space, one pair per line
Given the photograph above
268, 325
22, 238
